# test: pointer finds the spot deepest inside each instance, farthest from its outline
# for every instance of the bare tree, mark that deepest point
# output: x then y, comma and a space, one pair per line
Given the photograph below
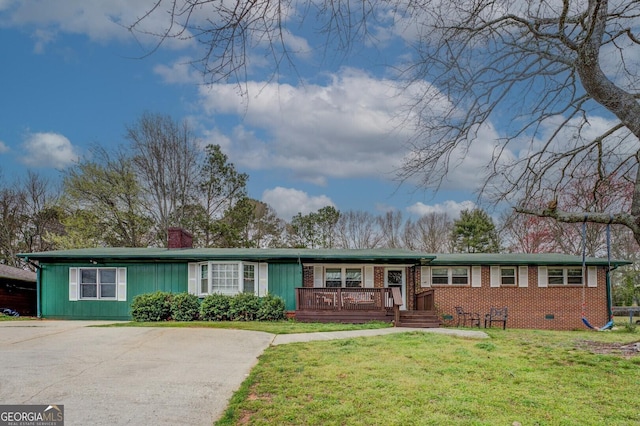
390, 225
41, 213
28, 215
11, 211
165, 157
545, 68
231, 31
433, 233
357, 230
540, 67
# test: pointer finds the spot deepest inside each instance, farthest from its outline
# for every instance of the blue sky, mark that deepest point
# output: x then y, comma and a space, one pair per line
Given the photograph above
72, 77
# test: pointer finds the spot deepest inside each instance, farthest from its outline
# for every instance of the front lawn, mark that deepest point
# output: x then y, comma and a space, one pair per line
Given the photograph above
526, 376
275, 327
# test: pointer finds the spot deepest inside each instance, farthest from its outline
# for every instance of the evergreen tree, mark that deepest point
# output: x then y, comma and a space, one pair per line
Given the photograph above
475, 232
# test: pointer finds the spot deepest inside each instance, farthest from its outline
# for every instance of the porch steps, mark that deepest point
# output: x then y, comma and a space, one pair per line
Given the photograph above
419, 319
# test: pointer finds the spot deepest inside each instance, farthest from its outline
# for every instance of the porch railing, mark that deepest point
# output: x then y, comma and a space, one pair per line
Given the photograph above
425, 301
344, 299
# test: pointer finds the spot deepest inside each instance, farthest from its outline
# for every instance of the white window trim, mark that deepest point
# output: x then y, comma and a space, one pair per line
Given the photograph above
239, 281
565, 276
343, 274
450, 276
425, 276
523, 276
496, 276
476, 276
592, 276
260, 277
75, 284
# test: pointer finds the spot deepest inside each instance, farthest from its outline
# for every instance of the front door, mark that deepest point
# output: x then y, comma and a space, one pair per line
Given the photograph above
394, 277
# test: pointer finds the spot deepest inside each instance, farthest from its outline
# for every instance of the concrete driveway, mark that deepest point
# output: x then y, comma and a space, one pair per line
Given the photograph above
125, 376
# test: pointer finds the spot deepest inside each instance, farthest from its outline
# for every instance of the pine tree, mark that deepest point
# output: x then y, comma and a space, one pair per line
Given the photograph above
475, 232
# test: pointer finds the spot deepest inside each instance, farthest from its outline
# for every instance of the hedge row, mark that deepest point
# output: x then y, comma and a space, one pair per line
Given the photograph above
163, 306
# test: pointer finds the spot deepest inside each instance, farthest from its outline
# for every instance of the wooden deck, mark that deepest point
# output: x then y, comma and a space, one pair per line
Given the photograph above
360, 305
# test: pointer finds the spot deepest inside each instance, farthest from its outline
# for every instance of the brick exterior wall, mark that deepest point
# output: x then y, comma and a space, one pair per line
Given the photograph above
307, 276
554, 308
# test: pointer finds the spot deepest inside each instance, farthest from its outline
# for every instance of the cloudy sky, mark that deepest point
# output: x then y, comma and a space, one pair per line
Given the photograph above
325, 133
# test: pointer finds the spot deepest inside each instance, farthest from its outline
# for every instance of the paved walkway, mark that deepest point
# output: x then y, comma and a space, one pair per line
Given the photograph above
282, 339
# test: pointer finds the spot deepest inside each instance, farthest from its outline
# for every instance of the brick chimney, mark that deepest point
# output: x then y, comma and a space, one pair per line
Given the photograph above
179, 239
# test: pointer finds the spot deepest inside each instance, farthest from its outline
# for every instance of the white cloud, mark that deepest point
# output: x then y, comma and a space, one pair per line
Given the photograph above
100, 21
288, 202
48, 150
344, 129
450, 207
180, 72
3, 147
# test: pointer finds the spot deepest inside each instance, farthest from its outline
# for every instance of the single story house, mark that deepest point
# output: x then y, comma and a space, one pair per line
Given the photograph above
543, 291
18, 290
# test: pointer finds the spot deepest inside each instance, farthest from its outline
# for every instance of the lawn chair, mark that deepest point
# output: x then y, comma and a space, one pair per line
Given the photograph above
496, 315
463, 316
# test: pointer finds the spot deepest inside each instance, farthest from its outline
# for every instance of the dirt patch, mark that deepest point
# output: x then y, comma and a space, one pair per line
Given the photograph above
245, 417
606, 348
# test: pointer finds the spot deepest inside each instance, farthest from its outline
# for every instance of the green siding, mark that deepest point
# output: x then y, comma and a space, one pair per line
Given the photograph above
283, 279
141, 278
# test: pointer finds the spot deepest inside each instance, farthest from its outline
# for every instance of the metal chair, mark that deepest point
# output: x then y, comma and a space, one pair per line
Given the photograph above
496, 315
463, 316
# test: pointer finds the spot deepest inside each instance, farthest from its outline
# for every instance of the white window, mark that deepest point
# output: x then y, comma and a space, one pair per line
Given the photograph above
449, 276
249, 278
508, 276
353, 277
227, 278
564, 276
98, 284
343, 277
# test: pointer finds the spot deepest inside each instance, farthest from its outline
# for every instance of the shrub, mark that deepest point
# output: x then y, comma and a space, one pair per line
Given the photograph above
215, 307
272, 308
244, 307
151, 306
185, 307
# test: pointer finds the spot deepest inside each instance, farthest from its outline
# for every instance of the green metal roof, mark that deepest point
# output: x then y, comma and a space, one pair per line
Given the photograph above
198, 254
312, 255
520, 259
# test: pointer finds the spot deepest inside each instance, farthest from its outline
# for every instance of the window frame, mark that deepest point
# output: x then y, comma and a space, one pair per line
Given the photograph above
514, 276
98, 283
344, 276
566, 277
451, 277
239, 277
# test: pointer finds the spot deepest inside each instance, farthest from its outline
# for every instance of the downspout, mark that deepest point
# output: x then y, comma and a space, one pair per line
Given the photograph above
38, 283
609, 292
38, 292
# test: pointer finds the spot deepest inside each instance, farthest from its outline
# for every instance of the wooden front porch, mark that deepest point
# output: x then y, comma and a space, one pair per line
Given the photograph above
360, 305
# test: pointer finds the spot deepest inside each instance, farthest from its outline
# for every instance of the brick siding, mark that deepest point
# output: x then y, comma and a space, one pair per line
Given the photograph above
555, 308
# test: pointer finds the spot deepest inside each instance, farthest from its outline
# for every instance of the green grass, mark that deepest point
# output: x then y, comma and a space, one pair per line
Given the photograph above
532, 377
11, 318
275, 327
